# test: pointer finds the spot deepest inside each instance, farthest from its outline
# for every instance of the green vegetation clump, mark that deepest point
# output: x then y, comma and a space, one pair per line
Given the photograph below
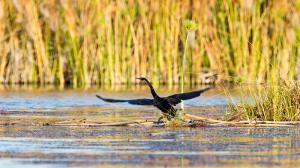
275, 103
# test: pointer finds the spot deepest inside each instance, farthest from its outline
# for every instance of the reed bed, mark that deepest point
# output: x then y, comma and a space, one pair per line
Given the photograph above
279, 102
111, 42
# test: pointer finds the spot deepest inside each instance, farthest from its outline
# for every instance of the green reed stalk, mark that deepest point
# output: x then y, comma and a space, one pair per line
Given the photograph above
189, 27
183, 66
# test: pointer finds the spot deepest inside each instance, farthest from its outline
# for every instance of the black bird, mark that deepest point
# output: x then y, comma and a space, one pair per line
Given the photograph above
164, 104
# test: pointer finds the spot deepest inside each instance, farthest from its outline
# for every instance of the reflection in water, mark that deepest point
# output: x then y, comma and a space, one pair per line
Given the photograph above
29, 144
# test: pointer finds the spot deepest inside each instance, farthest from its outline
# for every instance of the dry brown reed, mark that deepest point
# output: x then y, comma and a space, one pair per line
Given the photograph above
112, 42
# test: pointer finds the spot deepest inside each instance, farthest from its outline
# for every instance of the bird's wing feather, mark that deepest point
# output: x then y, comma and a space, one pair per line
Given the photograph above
132, 101
176, 98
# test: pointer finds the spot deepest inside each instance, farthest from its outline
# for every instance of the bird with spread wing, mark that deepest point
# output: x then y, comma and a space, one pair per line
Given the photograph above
164, 104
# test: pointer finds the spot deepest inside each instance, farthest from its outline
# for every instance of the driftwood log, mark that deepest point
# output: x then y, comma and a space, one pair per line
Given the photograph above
185, 120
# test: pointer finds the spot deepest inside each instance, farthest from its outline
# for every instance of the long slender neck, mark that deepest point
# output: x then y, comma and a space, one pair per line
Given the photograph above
151, 88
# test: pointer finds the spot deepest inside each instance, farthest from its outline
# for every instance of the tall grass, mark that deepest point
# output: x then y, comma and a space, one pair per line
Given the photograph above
279, 102
111, 42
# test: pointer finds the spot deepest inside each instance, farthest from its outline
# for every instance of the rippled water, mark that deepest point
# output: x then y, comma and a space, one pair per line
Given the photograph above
33, 145
43, 98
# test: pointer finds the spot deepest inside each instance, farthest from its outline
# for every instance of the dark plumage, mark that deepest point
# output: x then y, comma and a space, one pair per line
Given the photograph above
164, 104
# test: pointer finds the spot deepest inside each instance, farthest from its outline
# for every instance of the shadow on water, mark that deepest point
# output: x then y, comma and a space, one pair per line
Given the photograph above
51, 146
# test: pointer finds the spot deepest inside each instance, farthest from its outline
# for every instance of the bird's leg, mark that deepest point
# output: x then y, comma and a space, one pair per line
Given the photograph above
164, 116
160, 119
180, 109
169, 116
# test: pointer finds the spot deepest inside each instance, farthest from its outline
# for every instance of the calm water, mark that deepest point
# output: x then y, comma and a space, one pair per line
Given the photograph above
29, 144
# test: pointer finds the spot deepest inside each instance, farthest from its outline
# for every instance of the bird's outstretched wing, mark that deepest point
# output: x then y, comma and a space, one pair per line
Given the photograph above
132, 101
176, 98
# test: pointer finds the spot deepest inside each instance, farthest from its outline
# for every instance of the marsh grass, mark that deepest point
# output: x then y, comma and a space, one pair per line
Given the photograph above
279, 102
112, 42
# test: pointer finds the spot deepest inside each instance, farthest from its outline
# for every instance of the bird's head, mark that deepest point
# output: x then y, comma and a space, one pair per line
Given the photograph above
143, 79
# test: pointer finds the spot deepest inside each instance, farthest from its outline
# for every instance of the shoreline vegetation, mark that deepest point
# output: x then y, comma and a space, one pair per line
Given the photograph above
278, 102
81, 43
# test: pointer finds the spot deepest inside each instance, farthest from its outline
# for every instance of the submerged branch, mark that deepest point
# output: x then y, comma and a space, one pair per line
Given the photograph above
187, 120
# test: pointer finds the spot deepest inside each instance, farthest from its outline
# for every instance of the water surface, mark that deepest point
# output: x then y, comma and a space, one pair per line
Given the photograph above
26, 142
